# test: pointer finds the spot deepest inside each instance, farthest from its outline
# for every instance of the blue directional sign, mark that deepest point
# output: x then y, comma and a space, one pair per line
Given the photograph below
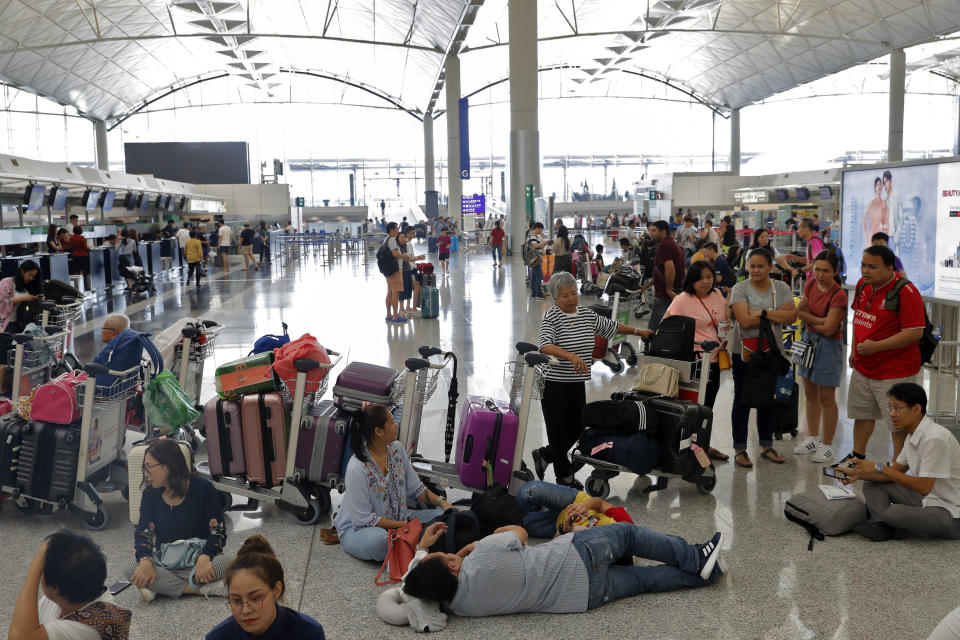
473, 205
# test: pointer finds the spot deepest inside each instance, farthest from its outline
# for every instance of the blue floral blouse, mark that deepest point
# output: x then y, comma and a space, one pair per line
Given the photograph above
371, 496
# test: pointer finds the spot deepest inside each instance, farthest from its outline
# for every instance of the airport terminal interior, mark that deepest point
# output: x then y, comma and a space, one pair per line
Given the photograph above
309, 129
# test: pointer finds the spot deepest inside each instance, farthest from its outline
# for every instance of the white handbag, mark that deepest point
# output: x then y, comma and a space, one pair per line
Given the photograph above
658, 379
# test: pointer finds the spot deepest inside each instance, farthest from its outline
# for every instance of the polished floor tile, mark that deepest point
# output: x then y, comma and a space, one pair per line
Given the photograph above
845, 588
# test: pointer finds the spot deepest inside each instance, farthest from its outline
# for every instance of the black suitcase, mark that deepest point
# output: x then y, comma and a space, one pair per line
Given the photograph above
681, 423
61, 292
11, 438
637, 452
47, 467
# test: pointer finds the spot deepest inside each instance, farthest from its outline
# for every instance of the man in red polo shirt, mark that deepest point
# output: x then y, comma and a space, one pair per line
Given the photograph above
885, 348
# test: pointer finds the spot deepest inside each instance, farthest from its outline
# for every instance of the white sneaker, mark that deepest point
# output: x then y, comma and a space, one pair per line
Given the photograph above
807, 446
824, 453
147, 594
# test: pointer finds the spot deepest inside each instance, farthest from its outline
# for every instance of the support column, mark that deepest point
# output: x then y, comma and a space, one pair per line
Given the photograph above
429, 181
103, 155
524, 125
735, 142
898, 77
454, 184
956, 140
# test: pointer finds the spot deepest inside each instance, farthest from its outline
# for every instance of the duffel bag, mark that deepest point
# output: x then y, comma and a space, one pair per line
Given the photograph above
623, 416
636, 452
57, 401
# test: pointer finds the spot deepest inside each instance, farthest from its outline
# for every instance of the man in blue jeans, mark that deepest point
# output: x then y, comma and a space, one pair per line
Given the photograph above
500, 574
551, 509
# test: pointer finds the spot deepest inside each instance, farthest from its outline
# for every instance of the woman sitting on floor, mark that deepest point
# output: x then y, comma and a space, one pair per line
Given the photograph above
380, 480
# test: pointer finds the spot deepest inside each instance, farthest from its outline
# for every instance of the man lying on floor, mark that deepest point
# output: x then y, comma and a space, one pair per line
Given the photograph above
574, 572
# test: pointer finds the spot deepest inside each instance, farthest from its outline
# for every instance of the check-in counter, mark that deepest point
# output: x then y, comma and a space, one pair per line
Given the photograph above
11, 265
54, 266
153, 257
111, 264
170, 248
97, 275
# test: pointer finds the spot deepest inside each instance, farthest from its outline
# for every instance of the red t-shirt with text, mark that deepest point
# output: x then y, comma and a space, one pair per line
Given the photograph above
496, 236
873, 321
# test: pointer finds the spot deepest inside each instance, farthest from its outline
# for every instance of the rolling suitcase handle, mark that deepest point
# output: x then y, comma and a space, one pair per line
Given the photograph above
493, 442
266, 441
452, 394
226, 447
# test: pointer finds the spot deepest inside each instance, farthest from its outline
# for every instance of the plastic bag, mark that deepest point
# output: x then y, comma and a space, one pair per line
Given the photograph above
166, 404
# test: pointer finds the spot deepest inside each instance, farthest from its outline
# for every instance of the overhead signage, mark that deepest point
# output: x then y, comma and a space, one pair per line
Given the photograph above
473, 205
464, 139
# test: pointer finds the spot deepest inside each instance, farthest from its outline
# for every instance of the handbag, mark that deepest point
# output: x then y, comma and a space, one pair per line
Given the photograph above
402, 545
763, 369
803, 353
723, 359
56, 401
658, 379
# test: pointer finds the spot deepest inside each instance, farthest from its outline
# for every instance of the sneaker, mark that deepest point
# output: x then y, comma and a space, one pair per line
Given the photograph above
824, 453
147, 594
809, 445
707, 555
540, 463
216, 588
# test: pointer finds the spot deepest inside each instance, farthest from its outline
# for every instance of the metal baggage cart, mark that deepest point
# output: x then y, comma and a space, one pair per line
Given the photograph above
694, 376
293, 494
63, 317
196, 345
524, 382
100, 464
619, 348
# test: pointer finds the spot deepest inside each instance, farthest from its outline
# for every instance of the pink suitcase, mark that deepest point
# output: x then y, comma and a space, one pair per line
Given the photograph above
224, 437
264, 437
488, 432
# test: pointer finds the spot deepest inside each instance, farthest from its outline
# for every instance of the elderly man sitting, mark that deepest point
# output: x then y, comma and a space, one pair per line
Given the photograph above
113, 325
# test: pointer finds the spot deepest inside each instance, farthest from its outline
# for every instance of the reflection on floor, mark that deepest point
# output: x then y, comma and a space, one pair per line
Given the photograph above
845, 588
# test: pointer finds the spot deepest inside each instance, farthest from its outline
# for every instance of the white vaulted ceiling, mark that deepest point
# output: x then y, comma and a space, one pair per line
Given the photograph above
110, 57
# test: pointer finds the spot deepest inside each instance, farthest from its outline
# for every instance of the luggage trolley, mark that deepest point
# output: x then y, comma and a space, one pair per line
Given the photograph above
197, 344
619, 349
293, 494
63, 317
99, 465
694, 376
524, 377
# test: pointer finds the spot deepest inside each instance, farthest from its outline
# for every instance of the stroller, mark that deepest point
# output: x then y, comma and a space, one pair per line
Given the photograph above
137, 279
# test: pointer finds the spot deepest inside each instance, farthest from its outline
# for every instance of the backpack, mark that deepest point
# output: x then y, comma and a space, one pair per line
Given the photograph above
496, 508
124, 352
891, 302
579, 243
673, 339
821, 516
385, 260
531, 257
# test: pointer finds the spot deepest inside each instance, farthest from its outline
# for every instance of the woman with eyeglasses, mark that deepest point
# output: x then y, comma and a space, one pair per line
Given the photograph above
180, 536
255, 585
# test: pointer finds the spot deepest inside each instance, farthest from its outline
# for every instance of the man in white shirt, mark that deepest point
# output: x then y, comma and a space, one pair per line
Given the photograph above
183, 235
925, 501
224, 240
74, 605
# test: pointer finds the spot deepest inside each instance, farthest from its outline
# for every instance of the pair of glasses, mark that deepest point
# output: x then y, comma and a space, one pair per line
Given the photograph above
147, 468
256, 603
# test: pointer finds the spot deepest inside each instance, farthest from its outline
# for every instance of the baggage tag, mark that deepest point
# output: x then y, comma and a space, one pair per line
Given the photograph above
701, 455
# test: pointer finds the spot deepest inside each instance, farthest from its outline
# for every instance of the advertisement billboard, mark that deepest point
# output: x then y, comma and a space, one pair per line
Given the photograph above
918, 206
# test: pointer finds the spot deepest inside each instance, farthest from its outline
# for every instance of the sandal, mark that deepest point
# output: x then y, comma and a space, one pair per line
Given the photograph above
743, 460
716, 454
771, 454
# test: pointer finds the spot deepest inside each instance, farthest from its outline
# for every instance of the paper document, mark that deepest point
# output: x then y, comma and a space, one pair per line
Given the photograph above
423, 466
837, 493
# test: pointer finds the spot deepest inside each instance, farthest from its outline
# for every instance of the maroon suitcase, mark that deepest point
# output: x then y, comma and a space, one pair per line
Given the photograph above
224, 437
360, 382
322, 444
264, 437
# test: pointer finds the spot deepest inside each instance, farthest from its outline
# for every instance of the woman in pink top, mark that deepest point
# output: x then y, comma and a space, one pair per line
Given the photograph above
703, 302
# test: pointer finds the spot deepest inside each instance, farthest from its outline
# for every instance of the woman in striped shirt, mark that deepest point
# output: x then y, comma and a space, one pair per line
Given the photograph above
567, 333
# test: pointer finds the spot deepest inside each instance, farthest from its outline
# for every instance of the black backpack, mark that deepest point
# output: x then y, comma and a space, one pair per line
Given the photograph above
891, 302
496, 508
463, 527
673, 339
385, 260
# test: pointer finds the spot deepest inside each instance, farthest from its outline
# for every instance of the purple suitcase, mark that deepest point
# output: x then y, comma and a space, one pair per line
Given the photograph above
487, 429
321, 445
360, 382
224, 437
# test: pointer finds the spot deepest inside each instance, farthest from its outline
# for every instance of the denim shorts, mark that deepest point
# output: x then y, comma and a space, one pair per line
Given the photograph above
828, 360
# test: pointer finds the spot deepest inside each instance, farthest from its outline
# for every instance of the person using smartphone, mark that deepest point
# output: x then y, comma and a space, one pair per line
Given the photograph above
68, 570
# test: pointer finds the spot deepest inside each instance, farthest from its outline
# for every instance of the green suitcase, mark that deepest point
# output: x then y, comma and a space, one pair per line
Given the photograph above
247, 375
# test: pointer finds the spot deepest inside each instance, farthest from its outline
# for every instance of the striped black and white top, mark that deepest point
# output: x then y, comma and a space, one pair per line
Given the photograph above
573, 332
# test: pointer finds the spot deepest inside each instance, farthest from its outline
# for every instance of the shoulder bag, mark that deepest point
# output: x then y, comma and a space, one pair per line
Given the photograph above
723, 356
804, 352
764, 367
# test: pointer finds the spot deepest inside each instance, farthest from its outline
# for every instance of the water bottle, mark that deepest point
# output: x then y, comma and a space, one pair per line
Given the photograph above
937, 333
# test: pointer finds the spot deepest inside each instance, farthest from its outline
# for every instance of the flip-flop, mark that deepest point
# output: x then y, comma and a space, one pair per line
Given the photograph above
747, 465
768, 454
